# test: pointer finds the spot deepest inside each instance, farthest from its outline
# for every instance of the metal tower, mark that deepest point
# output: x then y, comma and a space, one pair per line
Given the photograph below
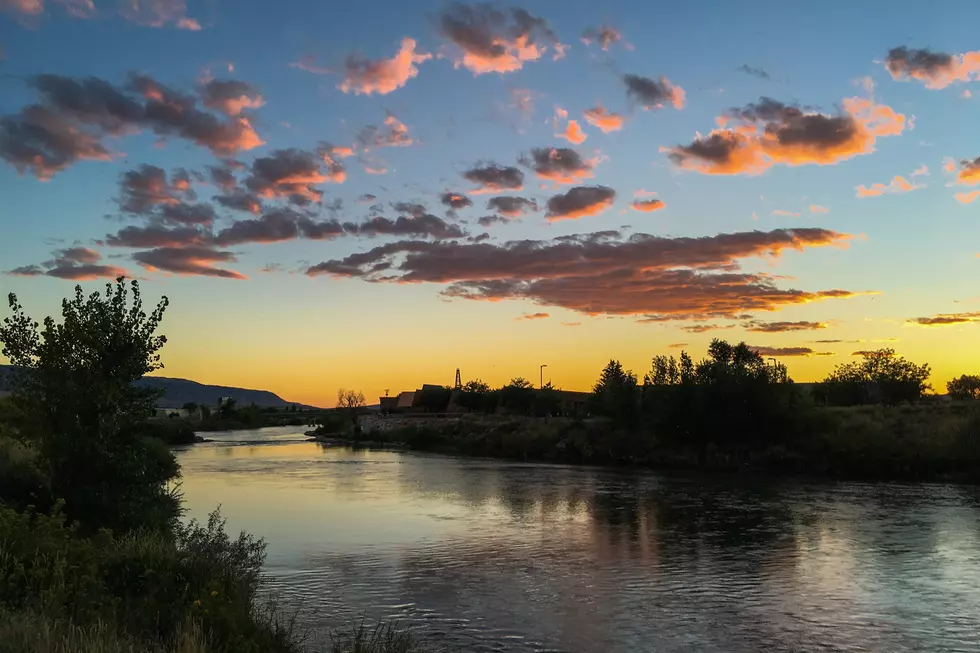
458, 385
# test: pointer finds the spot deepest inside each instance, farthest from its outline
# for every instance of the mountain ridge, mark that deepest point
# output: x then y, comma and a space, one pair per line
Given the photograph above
177, 392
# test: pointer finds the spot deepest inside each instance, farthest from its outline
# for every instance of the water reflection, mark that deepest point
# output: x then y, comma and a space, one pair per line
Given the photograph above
491, 556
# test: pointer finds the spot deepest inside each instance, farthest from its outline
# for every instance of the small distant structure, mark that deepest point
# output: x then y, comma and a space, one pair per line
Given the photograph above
458, 383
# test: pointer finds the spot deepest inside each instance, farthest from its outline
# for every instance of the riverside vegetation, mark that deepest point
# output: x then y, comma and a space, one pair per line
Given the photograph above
93, 555
730, 411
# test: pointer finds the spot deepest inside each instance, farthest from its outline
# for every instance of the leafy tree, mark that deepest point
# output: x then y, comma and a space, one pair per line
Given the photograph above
477, 396
517, 396
547, 401
227, 408
351, 402
964, 387
191, 407
881, 376
616, 394
434, 399
75, 379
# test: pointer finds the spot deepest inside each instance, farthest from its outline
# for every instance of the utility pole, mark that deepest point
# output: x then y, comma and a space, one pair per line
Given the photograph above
541, 376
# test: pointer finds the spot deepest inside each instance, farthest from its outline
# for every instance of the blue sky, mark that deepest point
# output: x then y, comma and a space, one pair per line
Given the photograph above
916, 250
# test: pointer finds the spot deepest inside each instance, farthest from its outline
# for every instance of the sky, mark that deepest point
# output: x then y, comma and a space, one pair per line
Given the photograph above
372, 195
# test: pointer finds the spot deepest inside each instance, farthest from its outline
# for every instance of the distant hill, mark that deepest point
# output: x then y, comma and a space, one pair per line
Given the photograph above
178, 392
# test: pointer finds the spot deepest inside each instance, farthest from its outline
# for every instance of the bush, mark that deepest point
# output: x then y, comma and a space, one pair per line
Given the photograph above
171, 431
22, 482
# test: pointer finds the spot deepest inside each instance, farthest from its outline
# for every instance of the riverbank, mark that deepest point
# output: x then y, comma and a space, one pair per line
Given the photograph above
917, 442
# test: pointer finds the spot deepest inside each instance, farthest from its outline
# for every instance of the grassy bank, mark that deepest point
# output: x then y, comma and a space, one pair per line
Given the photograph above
862, 442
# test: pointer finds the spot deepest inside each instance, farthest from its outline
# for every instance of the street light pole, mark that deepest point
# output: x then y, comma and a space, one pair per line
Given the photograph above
541, 376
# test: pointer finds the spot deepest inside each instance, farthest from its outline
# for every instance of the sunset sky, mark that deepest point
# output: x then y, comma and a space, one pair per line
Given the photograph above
370, 195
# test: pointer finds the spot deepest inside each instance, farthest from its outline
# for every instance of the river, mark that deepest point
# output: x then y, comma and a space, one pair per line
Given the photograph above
485, 555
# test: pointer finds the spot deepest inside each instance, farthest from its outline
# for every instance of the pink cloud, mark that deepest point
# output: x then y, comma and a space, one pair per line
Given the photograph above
898, 184
607, 121
382, 76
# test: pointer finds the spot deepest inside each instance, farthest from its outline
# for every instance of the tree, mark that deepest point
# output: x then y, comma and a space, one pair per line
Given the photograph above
191, 407
476, 396
964, 387
881, 376
547, 401
517, 396
227, 407
350, 401
615, 394
75, 379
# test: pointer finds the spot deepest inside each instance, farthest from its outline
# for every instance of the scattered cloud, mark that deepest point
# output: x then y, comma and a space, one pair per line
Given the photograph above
491, 178
647, 205
308, 64
755, 72
394, 133
934, 69
455, 200
490, 220
817, 208
275, 226
230, 96
785, 214
189, 261
158, 13
382, 76
490, 40
148, 187
73, 117
290, 174
75, 263
580, 202
572, 132
704, 328
898, 184
424, 225
653, 94
677, 345
605, 120
781, 327
787, 351
157, 235
770, 132
511, 207
945, 319
561, 165
602, 272
604, 35
969, 172
967, 198
533, 316
921, 171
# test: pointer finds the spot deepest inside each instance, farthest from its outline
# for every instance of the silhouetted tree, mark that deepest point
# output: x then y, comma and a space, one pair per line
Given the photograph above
191, 407
517, 396
881, 376
476, 396
434, 399
616, 394
351, 402
227, 408
75, 379
964, 387
547, 401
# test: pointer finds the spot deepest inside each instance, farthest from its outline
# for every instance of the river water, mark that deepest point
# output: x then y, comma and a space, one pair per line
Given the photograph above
484, 555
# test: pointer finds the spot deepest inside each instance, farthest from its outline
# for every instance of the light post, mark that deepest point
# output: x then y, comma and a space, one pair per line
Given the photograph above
541, 376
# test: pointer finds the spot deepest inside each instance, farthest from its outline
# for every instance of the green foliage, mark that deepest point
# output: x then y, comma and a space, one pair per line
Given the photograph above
74, 379
881, 377
382, 638
964, 387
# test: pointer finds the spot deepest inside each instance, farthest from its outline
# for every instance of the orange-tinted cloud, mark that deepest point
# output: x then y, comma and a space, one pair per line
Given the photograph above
785, 214
157, 235
394, 133
75, 263
787, 351
189, 261
781, 327
898, 184
946, 319
573, 133
230, 96
605, 120
288, 174
647, 205
580, 202
561, 165
969, 172
382, 76
455, 200
604, 35
533, 316
816, 208
967, 198
490, 40
701, 328
770, 132
144, 189
491, 178
159, 13
654, 94
602, 272
24, 7
934, 69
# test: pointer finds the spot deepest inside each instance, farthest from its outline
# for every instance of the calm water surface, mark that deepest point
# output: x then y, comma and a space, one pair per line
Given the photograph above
484, 555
